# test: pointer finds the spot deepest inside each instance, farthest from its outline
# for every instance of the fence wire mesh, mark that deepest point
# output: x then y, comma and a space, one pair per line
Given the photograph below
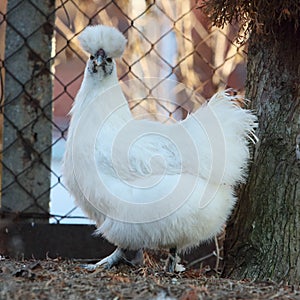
42, 66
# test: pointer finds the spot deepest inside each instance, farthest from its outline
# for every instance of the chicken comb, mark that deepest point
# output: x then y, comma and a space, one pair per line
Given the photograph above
96, 37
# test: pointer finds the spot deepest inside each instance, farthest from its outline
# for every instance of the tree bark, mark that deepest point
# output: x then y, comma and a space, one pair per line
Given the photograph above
263, 235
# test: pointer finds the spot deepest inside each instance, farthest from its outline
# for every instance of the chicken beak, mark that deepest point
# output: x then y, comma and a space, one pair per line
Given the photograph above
99, 60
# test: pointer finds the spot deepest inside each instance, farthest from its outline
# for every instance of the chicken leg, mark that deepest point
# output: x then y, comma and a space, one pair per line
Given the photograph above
115, 258
172, 262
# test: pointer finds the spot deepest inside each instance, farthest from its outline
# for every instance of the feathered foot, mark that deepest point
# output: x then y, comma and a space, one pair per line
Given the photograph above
172, 262
118, 256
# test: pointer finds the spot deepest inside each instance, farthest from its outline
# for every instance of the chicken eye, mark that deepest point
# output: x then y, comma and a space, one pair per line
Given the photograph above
108, 59
92, 57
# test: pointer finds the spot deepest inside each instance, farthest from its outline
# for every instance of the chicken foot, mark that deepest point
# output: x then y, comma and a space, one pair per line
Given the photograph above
172, 262
118, 256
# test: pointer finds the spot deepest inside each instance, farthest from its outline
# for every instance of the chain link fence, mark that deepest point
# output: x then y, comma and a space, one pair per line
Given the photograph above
42, 66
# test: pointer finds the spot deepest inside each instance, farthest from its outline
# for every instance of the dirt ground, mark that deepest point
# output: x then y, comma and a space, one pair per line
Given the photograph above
61, 279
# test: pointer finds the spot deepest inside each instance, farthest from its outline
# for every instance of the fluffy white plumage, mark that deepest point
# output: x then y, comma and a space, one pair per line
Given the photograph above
147, 184
98, 37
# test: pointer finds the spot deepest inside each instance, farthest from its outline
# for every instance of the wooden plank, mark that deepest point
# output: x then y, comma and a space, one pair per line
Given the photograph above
53, 240
23, 240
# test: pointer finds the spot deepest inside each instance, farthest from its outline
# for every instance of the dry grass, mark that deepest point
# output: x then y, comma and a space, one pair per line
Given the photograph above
58, 279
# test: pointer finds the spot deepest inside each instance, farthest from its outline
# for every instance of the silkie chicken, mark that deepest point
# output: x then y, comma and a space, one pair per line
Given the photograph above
149, 185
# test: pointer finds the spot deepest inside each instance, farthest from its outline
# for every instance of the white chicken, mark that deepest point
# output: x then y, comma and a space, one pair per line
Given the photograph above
149, 185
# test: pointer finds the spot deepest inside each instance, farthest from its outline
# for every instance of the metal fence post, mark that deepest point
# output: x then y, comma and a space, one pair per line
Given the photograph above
27, 109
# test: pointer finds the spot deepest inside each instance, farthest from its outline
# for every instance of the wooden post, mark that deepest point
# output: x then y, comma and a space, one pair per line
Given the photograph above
27, 108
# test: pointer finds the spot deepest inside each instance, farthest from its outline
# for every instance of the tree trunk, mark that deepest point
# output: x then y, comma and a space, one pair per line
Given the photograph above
263, 235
